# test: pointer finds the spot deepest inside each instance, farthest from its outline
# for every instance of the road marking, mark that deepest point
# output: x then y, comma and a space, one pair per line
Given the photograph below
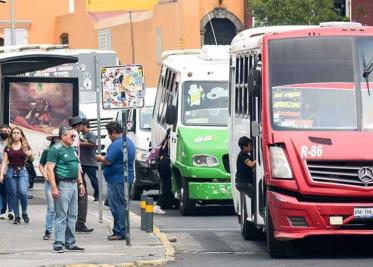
199, 230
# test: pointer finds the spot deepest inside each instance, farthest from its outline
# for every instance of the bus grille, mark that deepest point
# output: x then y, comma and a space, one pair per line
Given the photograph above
342, 172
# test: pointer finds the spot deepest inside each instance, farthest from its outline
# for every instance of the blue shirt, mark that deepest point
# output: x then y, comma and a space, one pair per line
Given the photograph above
114, 172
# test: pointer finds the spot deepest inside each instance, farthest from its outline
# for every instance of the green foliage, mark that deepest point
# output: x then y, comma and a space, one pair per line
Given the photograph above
292, 12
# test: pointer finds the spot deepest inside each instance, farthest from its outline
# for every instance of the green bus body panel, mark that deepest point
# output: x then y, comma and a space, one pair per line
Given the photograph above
206, 141
210, 191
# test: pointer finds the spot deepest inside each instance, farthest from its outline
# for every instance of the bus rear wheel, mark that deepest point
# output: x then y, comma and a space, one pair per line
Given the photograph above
276, 249
187, 205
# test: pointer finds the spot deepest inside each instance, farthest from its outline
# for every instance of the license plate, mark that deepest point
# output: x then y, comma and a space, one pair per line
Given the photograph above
363, 212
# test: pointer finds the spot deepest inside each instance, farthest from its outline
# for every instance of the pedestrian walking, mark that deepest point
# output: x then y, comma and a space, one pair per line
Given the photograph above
76, 123
16, 153
87, 156
65, 178
50, 214
4, 199
114, 176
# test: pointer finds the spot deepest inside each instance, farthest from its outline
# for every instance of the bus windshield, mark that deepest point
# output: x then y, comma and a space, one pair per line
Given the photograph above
146, 118
205, 103
313, 84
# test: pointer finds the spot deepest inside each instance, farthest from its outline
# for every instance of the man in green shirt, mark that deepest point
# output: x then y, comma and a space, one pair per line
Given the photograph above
63, 174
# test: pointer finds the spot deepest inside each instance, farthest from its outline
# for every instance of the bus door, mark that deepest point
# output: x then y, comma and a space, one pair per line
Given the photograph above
256, 134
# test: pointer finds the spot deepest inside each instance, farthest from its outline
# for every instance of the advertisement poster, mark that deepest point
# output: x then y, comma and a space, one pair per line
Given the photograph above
39, 106
122, 87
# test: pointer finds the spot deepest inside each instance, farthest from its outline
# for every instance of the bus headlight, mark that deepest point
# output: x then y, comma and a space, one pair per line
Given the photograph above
205, 161
142, 155
279, 163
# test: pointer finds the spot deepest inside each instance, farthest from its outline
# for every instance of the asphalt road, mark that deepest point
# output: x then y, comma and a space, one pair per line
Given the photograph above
212, 238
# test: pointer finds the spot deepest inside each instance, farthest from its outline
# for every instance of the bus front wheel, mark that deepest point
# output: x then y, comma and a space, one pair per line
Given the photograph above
187, 205
276, 249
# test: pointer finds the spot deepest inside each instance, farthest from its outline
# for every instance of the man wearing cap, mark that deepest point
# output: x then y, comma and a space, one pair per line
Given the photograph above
50, 214
76, 123
66, 183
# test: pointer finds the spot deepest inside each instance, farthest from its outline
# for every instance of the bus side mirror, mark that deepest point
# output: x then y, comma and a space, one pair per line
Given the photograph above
171, 115
255, 82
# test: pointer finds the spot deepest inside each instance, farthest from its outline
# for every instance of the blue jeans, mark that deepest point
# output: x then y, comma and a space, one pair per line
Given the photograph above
117, 204
49, 217
4, 200
66, 207
91, 172
17, 189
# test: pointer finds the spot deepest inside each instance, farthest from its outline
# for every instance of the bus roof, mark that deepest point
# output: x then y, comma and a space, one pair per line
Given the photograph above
199, 61
63, 49
252, 38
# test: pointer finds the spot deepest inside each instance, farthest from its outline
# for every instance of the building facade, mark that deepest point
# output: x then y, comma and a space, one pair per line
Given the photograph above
140, 36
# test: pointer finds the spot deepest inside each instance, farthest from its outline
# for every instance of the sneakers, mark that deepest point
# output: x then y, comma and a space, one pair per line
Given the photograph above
58, 250
11, 215
2, 216
25, 218
157, 209
74, 249
47, 235
17, 220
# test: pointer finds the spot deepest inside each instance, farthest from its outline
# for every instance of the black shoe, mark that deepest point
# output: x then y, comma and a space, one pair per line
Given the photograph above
47, 235
58, 250
17, 220
116, 237
106, 203
83, 229
74, 249
96, 199
25, 218
11, 215
30, 196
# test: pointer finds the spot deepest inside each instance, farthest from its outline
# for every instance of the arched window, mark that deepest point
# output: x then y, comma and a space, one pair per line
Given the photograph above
225, 25
64, 38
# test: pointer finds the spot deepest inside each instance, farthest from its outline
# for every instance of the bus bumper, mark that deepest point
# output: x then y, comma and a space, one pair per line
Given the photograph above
210, 191
293, 219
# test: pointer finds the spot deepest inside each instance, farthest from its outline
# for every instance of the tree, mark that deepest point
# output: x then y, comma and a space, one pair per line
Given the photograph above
292, 12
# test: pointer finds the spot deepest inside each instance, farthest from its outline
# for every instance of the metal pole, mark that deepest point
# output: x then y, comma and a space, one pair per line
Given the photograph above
126, 178
132, 41
99, 171
13, 34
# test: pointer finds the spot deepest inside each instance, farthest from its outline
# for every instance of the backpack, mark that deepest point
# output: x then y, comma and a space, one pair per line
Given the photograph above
153, 157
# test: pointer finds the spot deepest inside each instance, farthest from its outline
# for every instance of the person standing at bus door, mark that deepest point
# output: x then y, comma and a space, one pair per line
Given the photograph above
245, 165
76, 123
166, 198
114, 176
16, 153
50, 214
4, 198
66, 183
88, 156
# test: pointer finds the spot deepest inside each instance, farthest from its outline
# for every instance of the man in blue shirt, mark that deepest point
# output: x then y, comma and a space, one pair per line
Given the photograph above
114, 176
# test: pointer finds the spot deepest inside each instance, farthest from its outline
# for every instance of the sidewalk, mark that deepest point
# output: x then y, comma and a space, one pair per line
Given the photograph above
22, 245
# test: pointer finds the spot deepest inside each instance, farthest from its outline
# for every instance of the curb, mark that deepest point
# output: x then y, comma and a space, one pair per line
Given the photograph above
162, 237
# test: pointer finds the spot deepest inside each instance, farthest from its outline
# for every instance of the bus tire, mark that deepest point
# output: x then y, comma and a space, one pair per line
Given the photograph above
136, 192
248, 229
276, 249
187, 205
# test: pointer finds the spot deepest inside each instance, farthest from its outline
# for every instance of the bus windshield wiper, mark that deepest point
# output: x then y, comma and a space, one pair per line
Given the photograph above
367, 71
